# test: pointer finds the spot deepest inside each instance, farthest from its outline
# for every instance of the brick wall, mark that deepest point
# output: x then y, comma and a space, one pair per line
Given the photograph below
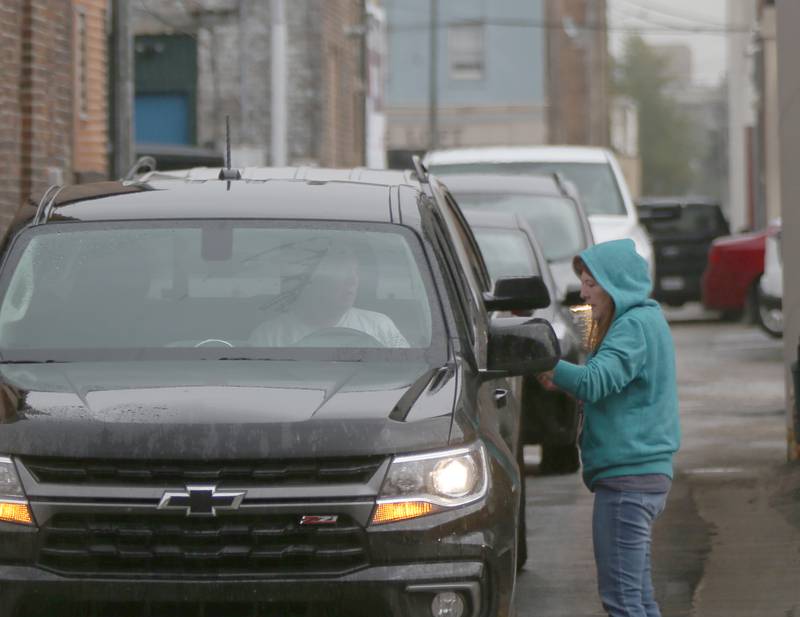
90, 78
51, 130
10, 116
343, 87
45, 94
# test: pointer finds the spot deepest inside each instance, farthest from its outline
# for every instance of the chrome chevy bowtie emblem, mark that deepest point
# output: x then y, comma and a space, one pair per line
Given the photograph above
199, 500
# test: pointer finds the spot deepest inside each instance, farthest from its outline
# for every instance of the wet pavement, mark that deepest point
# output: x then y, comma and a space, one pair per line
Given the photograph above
728, 544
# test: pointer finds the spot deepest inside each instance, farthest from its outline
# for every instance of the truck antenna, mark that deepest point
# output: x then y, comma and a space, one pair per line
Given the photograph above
227, 173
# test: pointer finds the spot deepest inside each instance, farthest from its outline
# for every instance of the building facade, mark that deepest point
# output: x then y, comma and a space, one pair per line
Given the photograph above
488, 66
52, 96
199, 62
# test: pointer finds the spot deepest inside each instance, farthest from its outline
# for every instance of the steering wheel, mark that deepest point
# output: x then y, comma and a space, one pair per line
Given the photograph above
214, 340
338, 336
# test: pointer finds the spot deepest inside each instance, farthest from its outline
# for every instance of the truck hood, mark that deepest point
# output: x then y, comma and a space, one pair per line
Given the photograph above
224, 410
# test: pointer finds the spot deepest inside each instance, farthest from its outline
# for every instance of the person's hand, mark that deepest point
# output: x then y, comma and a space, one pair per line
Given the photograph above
546, 380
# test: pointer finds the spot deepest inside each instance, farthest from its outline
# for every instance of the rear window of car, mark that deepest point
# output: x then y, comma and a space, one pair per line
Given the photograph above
244, 287
507, 252
595, 181
555, 221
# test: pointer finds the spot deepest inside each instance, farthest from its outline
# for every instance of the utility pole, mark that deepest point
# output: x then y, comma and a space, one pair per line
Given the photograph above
589, 38
433, 123
278, 119
788, 80
555, 129
122, 119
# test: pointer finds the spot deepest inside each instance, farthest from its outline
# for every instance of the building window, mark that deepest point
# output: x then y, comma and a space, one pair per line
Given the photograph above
82, 76
465, 46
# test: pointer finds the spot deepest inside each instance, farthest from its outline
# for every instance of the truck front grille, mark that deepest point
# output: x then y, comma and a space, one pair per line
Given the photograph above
171, 473
170, 545
63, 607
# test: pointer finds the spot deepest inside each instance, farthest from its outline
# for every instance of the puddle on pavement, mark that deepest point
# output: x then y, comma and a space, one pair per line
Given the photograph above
681, 544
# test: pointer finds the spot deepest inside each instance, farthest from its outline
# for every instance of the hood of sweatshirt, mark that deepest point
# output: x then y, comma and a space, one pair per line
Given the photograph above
621, 272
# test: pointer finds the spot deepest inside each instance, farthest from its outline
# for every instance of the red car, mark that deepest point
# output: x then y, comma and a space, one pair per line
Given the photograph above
735, 264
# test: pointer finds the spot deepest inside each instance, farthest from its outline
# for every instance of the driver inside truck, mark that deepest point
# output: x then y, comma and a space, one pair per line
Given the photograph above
320, 311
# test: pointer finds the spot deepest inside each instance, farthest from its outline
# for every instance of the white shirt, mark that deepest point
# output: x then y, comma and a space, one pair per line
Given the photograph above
287, 329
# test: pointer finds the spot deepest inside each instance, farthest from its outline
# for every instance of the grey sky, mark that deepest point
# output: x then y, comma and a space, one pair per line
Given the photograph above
670, 22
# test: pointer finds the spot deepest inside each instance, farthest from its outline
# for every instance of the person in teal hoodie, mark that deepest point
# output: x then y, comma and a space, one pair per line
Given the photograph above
630, 420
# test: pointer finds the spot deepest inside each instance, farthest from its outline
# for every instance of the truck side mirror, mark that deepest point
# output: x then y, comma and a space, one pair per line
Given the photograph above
522, 346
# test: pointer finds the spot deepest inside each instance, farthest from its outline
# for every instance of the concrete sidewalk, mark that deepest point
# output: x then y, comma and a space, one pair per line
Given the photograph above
728, 544
786, 498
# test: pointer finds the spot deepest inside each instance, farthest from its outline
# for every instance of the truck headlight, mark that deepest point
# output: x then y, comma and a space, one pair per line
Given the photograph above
422, 484
13, 503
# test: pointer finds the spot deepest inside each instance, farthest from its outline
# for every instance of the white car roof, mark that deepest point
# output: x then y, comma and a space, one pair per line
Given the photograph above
520, 154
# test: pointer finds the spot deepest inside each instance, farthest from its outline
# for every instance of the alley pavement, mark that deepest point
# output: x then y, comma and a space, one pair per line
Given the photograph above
728, 544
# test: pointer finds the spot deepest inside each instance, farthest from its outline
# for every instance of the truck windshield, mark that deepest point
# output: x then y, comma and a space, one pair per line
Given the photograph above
507, 252
555, 221
595, 181
227, 289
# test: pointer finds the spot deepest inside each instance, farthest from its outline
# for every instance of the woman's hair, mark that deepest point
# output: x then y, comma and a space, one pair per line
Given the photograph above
599, 327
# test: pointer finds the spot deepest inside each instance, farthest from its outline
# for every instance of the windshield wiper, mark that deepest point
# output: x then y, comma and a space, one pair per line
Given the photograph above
3, 361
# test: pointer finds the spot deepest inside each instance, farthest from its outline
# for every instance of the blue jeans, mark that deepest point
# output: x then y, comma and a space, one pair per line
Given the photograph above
621, 527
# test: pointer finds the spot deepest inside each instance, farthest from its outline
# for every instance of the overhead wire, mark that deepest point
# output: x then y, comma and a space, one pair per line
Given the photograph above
544, 25
674, 13
164, 21
642, 15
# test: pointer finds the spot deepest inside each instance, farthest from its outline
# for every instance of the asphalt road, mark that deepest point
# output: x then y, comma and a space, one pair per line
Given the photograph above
728, 544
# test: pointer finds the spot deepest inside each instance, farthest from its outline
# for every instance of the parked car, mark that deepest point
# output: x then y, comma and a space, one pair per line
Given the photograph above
770, 287
511, 248
734, 268
681, 229
186, 428
595, 171
552, 208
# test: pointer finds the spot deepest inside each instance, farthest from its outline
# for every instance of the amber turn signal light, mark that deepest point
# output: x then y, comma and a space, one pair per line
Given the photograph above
401, 510
12, 512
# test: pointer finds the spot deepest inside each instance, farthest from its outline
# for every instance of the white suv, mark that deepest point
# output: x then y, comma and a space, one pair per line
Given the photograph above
594, 171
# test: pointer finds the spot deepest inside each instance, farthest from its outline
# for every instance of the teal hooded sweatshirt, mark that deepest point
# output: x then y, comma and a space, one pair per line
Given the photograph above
628, 384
